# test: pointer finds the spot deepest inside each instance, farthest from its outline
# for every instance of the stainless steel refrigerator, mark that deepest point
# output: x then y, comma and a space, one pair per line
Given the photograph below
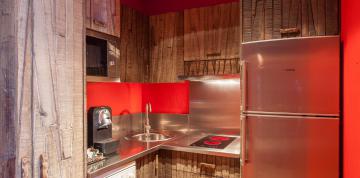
290, 108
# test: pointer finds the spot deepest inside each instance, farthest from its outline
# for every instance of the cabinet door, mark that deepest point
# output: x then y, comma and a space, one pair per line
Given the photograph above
264, 20
105, 16
174, 164
212, 32
113, 56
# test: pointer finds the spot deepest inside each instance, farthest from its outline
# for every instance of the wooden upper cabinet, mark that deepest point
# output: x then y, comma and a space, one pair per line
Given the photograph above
103, 16
272, 19
212, 32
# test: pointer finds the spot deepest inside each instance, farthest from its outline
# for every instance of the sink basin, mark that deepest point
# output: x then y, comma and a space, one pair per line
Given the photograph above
152, 137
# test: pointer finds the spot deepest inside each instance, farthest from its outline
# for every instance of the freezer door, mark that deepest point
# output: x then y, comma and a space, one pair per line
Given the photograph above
291, 147
293, 75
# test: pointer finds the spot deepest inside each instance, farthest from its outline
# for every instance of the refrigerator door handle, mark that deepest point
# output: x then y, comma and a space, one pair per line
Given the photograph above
243, 81
243, 140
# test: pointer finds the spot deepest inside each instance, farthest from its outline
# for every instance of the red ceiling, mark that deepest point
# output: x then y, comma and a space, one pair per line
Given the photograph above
153, 7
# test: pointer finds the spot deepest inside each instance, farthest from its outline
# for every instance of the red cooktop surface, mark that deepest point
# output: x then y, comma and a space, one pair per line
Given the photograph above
214, 141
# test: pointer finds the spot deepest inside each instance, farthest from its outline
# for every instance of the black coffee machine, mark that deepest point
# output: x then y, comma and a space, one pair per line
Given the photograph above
100, 130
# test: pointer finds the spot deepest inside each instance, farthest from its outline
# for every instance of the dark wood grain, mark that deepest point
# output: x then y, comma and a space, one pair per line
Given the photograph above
103, 16
8, 89
134, 46
272, 19
148, 166
212, 32
42, 87
166, 47
175, 164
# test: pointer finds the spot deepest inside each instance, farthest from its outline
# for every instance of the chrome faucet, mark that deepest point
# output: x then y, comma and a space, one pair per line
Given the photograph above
147, 122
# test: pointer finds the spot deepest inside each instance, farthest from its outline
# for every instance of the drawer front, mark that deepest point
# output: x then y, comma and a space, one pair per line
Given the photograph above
213, 166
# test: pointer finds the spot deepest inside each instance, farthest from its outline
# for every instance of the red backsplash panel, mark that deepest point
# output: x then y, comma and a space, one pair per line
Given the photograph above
123, 98
167, 97
129, 98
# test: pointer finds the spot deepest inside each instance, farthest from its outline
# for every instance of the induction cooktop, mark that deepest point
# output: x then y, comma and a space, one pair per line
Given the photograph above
214, 141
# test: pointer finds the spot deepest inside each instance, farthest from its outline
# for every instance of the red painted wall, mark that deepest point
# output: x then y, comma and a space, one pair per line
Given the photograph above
167, 97
154, 7
350, 35
123, 98
129, 98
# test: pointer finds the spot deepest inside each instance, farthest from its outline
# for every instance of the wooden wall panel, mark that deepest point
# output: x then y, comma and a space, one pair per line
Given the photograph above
272, 19
147, 166
212, 32
175, 164
42, 81
8, 82
166, 47
134, 46
194, 34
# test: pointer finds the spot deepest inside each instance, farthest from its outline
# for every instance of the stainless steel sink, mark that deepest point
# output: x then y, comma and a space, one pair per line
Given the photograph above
151, 137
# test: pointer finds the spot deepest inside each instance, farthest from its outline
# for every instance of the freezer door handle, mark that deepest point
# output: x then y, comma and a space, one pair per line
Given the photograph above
243, 140
243, 81
243, 110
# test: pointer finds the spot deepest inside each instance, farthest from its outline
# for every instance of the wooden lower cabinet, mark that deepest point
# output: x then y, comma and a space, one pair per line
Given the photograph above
175, 164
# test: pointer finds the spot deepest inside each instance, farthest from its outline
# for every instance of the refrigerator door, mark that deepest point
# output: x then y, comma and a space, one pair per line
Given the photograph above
293, 76
291, 147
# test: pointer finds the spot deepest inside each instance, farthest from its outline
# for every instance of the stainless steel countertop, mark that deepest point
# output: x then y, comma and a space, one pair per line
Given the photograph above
130, 150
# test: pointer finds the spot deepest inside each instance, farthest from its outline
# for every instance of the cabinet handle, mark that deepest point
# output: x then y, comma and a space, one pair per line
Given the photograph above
243, 113
216, 54
243, 141
289, 30
98, 22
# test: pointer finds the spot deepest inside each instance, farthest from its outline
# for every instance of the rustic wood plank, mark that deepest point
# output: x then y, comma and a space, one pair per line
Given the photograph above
8, 80
24, 62
332, 17
276, 19
305, 16
168, 163
212, 32
134, 46
166, 50
50, 86
319, 17
247, 20
258, 14
269, 19
194, 37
